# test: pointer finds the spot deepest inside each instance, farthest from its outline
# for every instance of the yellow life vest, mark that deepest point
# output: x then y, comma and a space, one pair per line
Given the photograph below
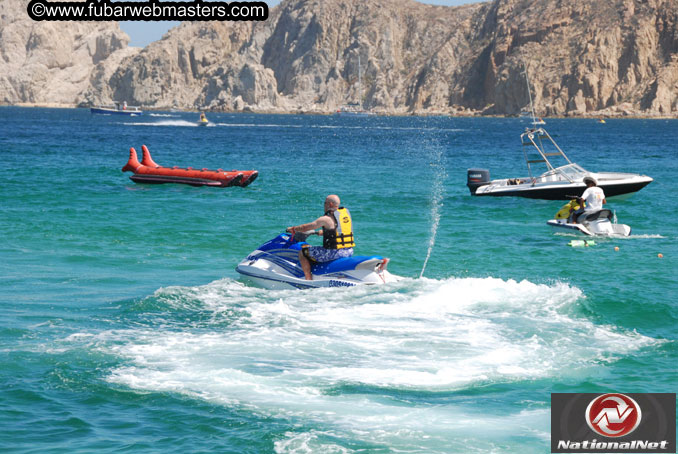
564, 212
341, 236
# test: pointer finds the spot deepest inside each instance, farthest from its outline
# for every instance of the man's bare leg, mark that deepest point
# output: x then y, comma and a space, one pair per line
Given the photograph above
305, 265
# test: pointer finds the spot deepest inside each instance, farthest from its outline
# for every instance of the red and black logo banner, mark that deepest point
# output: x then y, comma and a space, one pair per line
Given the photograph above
613, 422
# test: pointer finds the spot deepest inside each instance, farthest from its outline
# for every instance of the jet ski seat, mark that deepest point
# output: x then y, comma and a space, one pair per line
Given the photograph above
594, 216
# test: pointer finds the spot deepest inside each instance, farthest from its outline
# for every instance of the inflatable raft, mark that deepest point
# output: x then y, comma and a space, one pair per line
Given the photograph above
147, 171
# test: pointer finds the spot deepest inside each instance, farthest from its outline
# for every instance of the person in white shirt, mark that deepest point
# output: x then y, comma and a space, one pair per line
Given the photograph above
593, 198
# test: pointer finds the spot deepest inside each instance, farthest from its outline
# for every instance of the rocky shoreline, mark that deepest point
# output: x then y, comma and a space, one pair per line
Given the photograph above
584, 58
591, 115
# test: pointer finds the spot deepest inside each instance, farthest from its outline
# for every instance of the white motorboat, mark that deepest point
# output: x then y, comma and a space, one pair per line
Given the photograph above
275, 265
118, 109
557, 182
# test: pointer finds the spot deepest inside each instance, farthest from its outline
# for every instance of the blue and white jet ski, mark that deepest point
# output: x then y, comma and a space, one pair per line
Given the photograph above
275, 265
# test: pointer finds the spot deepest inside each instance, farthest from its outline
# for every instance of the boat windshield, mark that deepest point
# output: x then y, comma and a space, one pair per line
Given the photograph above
572, 171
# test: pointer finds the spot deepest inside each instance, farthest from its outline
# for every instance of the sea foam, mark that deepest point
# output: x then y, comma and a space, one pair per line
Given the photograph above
293, 354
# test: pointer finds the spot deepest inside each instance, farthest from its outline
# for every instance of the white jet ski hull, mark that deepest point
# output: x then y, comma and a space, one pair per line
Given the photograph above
275, 266
258, 275
595, 228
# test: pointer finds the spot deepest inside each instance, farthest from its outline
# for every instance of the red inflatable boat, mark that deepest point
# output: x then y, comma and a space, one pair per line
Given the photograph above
148, 171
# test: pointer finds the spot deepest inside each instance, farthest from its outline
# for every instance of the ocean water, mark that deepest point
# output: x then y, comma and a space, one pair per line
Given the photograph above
125, 328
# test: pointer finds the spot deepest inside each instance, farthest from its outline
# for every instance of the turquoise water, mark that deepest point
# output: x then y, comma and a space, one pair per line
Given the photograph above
124, 327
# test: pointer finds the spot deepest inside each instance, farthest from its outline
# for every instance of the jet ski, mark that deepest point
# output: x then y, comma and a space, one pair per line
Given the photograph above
275, 265
593, 223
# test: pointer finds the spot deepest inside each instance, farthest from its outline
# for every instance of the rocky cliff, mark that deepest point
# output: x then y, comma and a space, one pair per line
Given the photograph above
584, 57
616, 56
53, 63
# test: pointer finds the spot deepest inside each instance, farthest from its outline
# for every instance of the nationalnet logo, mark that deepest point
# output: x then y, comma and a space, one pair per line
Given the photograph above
613, 415
613, 422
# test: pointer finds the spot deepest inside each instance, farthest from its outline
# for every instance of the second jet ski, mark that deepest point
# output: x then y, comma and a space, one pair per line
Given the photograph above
592, 223
275, 265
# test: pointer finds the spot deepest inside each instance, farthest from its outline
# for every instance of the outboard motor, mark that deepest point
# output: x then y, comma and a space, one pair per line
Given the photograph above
476, 178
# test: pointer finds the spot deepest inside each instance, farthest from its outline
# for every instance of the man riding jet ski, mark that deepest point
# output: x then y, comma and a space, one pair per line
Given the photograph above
288, 261
337, 233
586, 215
592, 223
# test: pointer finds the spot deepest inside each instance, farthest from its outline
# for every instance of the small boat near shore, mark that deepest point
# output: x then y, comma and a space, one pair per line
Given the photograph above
118, 109
353, 110
147, 171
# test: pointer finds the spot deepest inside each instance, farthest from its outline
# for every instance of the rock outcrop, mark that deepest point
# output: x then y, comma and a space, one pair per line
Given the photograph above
53, 62
584, 57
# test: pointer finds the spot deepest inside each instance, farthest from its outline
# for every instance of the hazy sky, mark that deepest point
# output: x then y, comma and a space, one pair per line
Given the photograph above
142, 33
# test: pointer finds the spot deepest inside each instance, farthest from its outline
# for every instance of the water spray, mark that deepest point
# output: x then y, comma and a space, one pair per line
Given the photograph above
437, 194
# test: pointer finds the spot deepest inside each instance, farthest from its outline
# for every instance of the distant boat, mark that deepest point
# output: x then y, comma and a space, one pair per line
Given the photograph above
601, 120
536, 121
355, 109
118, 109
203, 120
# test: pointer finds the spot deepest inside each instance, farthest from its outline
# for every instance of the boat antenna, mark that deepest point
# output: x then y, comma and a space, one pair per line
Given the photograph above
360, 85
529, 93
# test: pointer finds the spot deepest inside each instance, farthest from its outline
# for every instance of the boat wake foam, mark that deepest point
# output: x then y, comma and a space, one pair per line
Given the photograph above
182, 123
472, 330
345, 360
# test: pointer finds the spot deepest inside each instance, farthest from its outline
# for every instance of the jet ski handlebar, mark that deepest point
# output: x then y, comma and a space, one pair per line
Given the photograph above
297, 236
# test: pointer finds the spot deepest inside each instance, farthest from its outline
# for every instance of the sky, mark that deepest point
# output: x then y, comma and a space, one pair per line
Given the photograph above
143, 33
